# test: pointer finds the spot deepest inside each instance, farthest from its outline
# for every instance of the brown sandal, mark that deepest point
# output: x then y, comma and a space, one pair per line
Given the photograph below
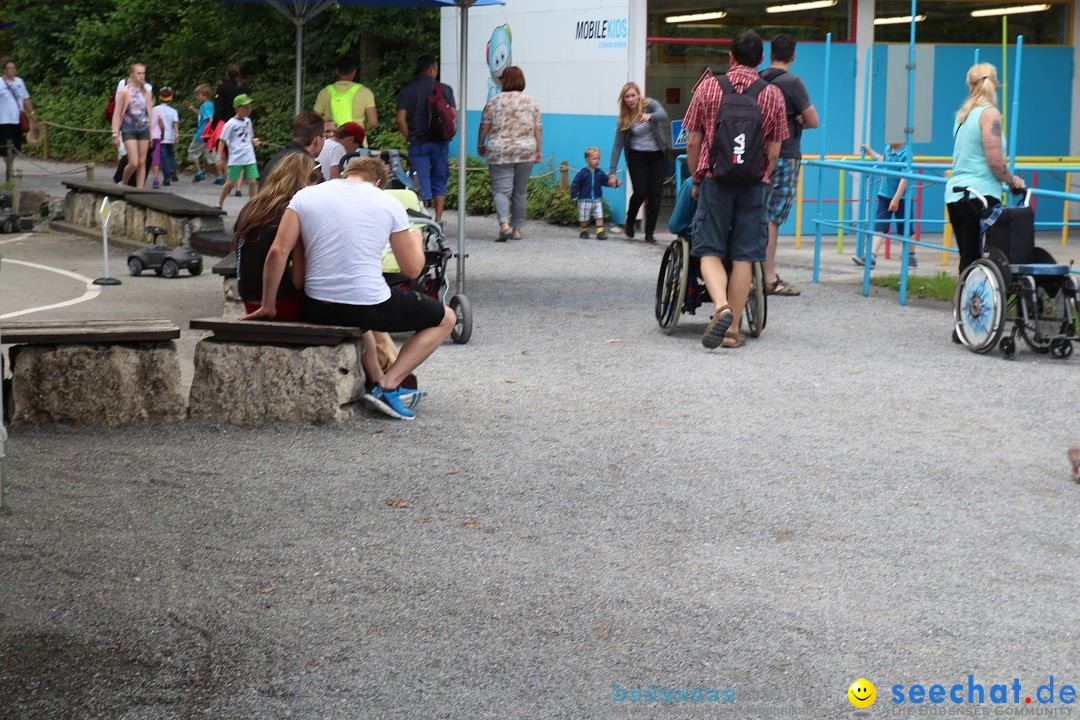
733, 340
779, 287
721, 321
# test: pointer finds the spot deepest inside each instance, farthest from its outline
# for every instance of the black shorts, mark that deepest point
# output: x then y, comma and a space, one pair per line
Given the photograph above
403, 311
10, 135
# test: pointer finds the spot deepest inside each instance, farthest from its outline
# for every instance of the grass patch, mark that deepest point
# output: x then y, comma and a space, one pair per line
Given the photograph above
941, 286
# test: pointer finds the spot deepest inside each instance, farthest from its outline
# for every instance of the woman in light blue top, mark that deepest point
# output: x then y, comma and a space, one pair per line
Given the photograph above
978, 159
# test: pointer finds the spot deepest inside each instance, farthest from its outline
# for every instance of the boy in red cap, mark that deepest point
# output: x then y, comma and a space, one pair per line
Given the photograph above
347, 139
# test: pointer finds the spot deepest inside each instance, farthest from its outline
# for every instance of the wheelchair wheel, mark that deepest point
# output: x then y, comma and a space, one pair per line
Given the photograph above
671, 284
979, 306
756, 302
1044, 320
463, 328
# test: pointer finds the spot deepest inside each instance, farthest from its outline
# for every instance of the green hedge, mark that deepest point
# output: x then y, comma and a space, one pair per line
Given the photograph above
545, 200
72, 53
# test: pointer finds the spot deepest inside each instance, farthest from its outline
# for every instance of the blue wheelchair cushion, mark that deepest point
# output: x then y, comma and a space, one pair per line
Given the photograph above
1039, 269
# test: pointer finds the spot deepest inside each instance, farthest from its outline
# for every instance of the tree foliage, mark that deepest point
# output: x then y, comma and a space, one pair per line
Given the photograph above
71, 53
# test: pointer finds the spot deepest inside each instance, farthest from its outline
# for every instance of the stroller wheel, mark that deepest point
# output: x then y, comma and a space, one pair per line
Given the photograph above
463, 329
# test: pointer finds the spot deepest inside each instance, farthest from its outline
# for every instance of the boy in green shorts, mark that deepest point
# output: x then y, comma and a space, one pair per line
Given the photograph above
238, 138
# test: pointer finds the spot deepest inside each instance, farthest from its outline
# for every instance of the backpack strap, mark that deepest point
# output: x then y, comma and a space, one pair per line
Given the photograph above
754, 89
773, 73
725, 84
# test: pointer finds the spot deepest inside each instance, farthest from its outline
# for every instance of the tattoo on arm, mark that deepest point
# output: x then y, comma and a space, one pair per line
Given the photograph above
995, 128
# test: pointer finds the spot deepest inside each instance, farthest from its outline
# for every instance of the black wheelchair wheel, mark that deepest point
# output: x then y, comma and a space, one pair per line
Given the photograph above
756, 302
671, 284
979, 306
1045, 317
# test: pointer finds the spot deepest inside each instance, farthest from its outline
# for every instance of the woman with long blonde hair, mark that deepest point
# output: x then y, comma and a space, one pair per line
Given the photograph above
254, 233
978, 159
639, 132
131, 122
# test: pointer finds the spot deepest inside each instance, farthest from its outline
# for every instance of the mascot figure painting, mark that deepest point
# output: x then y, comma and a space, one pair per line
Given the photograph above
498, 58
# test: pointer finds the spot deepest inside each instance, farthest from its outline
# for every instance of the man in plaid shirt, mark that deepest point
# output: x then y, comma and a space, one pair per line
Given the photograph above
731, 222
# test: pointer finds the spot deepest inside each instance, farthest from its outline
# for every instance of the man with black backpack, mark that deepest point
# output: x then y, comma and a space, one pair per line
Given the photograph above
735, 125
427, 117
801, 115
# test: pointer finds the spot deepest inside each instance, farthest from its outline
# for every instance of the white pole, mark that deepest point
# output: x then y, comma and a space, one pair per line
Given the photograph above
299, 62
463, 103
3, 439
105, 213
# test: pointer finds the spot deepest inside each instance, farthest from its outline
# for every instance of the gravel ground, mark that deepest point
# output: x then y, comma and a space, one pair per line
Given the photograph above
583, 501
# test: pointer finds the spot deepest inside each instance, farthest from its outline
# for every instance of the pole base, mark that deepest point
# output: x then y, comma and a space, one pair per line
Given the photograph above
107, 281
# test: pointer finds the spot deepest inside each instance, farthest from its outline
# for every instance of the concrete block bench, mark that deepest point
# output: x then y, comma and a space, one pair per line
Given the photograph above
132, 210
265, 373
94, 372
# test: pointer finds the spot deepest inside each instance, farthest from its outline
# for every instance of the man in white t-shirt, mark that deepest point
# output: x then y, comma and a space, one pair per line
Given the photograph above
346, 139
344, 225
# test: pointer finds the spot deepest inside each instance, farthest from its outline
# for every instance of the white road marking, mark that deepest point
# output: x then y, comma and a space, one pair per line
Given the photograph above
92, 290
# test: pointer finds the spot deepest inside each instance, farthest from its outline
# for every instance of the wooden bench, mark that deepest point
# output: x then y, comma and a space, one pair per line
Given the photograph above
133, 209
259, 373
281, 333
100, 372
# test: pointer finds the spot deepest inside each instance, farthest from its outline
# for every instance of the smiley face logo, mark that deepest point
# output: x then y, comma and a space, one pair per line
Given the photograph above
862, 693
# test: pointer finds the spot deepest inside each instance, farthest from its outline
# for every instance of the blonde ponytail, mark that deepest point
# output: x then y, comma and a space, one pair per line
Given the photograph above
982, 90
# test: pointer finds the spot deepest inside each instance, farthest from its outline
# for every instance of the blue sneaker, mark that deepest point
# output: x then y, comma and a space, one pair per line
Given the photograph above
219, 181
199, 177
390, 403
860, 262
912, 261
412, 398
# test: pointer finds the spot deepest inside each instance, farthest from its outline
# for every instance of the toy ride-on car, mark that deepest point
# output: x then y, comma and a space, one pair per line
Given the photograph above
162, 259
9, 221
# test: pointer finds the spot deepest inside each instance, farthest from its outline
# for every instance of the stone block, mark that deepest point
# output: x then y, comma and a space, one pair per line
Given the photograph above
252, 384
111, 385
234, 306
31, 202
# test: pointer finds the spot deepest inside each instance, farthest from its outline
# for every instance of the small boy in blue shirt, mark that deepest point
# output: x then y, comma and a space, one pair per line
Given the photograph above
587, 189
198, 148
890, 205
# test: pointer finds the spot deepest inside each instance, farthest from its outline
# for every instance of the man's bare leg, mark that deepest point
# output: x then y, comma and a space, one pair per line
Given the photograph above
417, 349
440, 203
770, 254
738, 289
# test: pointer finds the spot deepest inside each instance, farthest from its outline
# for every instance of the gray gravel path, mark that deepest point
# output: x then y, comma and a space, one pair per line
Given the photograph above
848, 496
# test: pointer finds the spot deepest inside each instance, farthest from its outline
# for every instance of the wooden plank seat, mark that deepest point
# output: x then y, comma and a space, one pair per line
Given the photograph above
57, 332
276, 333
210, 242
105, 188
100, 372
174, 205
226, 266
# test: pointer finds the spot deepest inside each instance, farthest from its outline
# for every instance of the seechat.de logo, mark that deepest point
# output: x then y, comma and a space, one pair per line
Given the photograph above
862, 693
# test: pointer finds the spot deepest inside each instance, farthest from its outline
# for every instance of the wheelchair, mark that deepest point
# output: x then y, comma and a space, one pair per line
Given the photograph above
1015, 283
679, 287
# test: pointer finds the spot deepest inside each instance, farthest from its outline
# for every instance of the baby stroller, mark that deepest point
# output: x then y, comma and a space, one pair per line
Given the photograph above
402, 174
1015, 282
679, 288
432, 280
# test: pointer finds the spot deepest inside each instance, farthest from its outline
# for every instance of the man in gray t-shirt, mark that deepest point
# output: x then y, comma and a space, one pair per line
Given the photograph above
785, 178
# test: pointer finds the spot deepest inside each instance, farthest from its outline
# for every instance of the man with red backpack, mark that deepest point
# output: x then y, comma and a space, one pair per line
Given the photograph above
427, 117
735, 125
